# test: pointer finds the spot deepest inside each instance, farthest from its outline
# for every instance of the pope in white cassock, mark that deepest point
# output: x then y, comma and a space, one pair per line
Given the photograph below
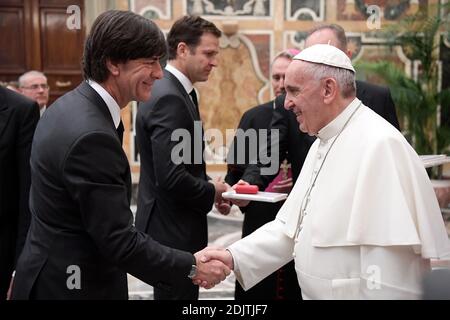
362, 221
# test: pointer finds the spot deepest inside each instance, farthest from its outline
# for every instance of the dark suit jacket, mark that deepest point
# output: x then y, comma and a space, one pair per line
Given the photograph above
173, 199
256, 213
282, 284
80, 204
18, 120
296, 143
257, 118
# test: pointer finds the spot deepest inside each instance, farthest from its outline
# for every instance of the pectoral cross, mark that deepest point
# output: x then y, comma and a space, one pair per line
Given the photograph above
285, 166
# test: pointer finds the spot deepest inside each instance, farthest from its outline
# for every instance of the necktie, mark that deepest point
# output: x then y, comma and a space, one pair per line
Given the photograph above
120, 130
193, 95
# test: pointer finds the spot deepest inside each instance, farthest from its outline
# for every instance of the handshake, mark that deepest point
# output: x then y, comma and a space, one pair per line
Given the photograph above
213, 266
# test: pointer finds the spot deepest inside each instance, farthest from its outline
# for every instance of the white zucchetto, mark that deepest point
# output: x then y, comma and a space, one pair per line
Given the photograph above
326, 54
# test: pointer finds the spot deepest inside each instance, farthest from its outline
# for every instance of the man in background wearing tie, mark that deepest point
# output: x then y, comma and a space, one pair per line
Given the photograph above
175, 196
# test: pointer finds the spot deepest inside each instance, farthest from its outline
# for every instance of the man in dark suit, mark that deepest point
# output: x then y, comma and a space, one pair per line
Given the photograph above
18, 120
282, 284
175, 194
296, 143
82, 241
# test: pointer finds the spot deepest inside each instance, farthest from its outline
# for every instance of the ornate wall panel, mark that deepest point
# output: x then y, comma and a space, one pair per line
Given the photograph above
262, 28
157, 9
305, 10
390, 10
254, 9
240, 81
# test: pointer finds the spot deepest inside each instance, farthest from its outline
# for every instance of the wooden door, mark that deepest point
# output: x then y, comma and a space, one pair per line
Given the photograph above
35, 36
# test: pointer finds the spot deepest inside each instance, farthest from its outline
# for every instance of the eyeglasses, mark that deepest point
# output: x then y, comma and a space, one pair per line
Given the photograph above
44, 86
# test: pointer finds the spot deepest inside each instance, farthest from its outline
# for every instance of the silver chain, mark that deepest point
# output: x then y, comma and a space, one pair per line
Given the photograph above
308, 192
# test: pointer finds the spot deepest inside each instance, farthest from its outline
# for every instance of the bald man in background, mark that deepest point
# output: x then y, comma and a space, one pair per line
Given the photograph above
33, 84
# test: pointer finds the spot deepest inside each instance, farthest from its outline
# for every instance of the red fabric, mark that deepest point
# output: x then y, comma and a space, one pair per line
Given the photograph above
277, 179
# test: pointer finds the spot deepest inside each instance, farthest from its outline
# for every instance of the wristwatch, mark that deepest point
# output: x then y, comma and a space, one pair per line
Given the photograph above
193, 271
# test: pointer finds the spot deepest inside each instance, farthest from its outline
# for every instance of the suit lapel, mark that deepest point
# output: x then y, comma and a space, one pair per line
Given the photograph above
5, 112
192, 109
92, 95
190, 105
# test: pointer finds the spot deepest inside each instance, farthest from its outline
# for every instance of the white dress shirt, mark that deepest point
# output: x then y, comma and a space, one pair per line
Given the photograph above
42, 110
185, 82
112, 105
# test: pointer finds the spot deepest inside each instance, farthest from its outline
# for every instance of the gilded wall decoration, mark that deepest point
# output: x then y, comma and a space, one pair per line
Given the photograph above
236, 85
390, 10
230, 8
305, 10
265, 27
153, 9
